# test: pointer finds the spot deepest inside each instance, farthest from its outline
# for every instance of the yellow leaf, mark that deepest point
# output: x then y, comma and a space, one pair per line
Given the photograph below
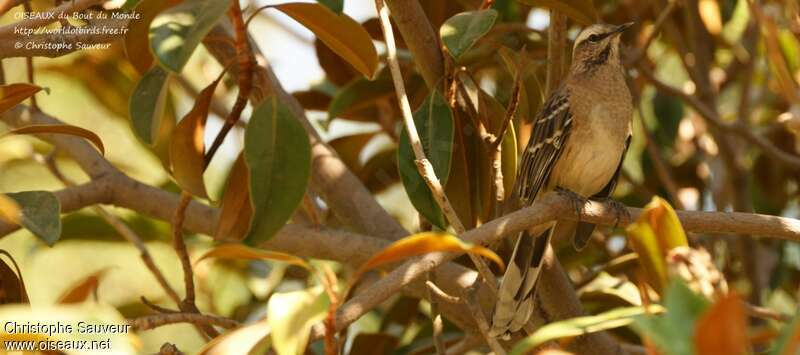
643, 242
657, 231
62, 129
12, 94
665, 223
423, 243
187, 148
83, 289
290, 316
237, 210
9, 210
709, 13
241, 251
340, 33
243, 340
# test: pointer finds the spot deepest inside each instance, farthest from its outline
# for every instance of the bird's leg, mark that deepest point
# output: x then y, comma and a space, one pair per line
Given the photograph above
619, 209
577, 200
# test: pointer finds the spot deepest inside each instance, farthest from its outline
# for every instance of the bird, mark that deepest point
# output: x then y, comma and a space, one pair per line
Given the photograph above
577, 147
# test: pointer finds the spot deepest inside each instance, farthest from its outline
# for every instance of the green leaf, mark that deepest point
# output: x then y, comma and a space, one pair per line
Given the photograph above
460, 32
673, 331
573, 327
290, 316
41, 214
175, 33
278, 155
147, 102
434, 122
359, 94
335, 5
582, 11
789, 340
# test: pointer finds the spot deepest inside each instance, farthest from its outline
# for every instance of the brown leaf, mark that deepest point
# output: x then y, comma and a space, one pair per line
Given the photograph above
373, 344
241, 251
237, 210
62, 129
82, 290
337, 70
349, 148
340, 33
723, 328
12, 286
423, 243
187, 148
12, 94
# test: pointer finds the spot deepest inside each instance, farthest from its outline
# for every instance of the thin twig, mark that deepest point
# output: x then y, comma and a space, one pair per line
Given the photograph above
423, 164
436, 320
439, 293
766, 313
158, 320
471, 301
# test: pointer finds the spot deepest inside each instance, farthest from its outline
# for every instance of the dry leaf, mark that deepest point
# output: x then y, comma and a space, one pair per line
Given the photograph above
723, 328
63, 129
83, 289
12, 94
241, 251
237, 210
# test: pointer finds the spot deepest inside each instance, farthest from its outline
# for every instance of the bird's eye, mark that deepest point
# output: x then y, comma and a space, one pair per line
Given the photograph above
594, 38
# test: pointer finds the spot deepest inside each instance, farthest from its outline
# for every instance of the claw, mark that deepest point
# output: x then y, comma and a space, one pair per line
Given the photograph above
578, 201
619, 209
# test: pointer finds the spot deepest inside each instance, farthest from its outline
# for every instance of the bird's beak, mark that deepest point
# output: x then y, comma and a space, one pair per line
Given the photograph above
621, 28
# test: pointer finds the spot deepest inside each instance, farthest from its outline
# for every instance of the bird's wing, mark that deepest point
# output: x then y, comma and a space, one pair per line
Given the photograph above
514, 298
584, 229
550, 131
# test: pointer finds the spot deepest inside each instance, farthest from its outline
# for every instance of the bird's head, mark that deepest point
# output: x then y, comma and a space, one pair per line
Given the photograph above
596, 46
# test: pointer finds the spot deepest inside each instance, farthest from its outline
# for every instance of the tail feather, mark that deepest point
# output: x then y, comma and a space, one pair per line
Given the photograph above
515, 296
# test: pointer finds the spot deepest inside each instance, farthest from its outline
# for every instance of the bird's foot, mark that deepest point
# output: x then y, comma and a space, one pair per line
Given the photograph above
577, 201
620, 210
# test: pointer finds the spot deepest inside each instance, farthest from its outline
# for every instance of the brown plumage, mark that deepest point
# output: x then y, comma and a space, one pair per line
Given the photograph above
578, 144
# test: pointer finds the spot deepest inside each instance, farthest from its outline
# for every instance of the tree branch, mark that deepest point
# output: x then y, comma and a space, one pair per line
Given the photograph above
157, 320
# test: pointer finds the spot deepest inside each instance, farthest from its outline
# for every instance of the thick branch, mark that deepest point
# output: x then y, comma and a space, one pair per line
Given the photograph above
420, 37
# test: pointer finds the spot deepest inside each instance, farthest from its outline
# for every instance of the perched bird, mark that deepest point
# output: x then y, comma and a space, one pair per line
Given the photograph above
577, 147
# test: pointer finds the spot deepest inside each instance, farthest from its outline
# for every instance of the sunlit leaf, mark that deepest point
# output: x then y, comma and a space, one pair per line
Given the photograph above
424, 243
582, 11
137, 44
709, 13
723, 328
187, 148
248, 339
278, 156
434, 123
40, 214
9, 210
236, 210
290, 316
573, 327
147, 103
12, 286
657, 231
83, 289
460, 32
340, 33
509, 159
62, 129
12, 94
241, 251
175, 33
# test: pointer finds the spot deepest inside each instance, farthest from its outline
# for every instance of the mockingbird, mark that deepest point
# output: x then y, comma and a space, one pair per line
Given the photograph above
577, 147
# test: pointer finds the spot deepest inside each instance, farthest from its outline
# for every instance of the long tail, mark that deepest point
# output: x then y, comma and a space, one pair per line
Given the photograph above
516, 294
